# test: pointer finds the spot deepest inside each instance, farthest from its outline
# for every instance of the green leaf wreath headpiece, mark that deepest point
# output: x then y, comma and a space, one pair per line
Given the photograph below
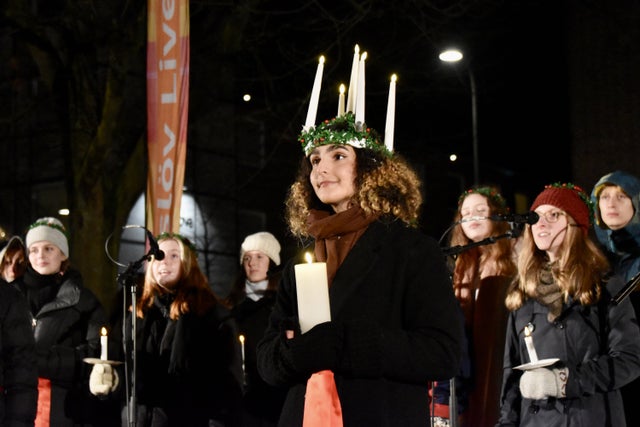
488, 192
341, 130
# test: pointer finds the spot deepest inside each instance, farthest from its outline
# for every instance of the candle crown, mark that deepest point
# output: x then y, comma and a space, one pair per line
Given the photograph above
343, 129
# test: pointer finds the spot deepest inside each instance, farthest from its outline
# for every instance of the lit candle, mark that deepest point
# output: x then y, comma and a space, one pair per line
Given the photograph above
313, 293
104, 350
241, 339
341, 101
315, 97
528, 340
353, 83
391, 112
360, 94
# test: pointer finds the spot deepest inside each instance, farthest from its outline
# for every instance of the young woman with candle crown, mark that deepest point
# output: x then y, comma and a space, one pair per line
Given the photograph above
394, 320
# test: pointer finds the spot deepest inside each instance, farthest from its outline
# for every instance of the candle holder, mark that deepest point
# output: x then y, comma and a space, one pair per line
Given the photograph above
98, 361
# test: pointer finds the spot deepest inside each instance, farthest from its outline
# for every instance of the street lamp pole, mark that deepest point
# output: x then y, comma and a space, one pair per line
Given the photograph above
454, 55
474, 126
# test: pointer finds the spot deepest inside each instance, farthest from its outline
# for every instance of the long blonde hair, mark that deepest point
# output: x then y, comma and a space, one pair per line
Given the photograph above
192, 292
579, 270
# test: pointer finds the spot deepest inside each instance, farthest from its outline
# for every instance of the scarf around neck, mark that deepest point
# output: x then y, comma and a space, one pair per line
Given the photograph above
335, 235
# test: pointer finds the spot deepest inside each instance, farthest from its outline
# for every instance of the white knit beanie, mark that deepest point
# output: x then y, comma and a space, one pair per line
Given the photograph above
51, 230
264, 242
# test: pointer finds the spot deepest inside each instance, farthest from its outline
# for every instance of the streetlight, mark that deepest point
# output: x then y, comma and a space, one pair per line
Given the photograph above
451, 56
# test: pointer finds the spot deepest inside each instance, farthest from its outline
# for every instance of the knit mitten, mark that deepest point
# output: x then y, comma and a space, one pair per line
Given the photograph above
542, 383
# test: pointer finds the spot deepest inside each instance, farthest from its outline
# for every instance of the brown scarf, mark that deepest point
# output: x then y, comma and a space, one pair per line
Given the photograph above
549, 293
336, 234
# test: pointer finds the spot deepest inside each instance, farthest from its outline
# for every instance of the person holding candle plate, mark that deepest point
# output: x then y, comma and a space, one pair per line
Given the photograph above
66, 320
568, 348
394, 323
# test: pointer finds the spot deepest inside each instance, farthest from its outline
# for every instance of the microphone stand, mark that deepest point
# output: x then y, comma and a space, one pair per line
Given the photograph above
128, 278
455, 250
630, 286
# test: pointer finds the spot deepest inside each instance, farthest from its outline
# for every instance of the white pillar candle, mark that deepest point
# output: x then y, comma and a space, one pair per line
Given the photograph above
361, 89
315, 97
391, 112
104, 349
528, 340
341, 101
313, 294
353, 82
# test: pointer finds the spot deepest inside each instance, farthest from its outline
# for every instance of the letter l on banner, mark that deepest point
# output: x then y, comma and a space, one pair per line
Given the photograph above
167, 111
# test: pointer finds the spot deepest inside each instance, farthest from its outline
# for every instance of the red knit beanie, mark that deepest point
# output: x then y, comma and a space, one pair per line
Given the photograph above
571, 199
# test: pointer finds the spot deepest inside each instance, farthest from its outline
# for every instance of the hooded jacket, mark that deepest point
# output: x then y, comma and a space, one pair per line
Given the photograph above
623, 245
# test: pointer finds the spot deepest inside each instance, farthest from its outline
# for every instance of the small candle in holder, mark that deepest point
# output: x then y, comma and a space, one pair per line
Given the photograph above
104, 350
313, 293
241, 339
528, 340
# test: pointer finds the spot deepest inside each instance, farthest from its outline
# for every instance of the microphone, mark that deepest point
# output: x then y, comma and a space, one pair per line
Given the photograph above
154, 249
528, 218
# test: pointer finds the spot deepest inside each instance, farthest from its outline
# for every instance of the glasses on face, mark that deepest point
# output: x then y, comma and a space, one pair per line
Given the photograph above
550, 216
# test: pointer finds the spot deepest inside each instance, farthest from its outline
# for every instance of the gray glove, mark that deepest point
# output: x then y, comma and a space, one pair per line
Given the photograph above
542, 383
103, 379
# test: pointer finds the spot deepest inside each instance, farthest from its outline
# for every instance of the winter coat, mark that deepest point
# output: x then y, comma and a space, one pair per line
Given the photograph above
18, 369
261, 402
66, 330
398, 327
596, 372
189, 369
622, 247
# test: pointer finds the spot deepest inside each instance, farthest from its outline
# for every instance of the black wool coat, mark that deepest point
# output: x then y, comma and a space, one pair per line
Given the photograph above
18, 369
399, 327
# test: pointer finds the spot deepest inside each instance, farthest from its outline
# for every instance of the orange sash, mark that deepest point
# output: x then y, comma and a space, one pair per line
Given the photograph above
321, 402
43, 415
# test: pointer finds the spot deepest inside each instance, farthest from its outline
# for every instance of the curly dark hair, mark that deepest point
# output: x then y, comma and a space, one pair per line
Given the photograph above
385, 185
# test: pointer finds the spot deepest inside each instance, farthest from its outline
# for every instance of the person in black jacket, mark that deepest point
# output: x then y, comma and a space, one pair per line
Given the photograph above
19, 372
251, 300
66, 319
188, 357
393, 323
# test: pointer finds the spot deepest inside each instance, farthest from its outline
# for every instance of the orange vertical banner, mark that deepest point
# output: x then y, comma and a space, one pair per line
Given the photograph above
167, 111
